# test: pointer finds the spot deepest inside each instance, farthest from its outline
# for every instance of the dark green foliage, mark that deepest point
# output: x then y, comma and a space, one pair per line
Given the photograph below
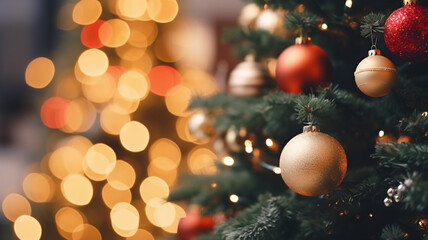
257, 42
304, 21
392, 232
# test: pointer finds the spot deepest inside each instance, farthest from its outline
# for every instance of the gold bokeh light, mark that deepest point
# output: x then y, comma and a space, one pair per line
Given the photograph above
165, 154
112, 196
86, 11
15, 205
101, 159
134, 136
81, 115
141, 234
143, 34
67, 220
93, 62
125, 219
160, 213
101, 89
162, 11
129, 52
112, 121
86, 232
114, 33
133, 86
123, 176
27, 228
39, 72
64, 161
177, 100
131, 8
179, 213
201, 160
77, 189
38, 187
153, 187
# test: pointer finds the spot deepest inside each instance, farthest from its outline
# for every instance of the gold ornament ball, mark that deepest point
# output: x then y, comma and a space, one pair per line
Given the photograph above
375, 75
313, 163
247, 78
199, 125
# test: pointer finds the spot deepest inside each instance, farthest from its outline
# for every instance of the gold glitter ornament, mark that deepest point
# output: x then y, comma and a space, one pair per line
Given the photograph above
375, 75
313, 163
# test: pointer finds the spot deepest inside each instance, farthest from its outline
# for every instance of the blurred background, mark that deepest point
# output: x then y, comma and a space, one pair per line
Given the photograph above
110, 79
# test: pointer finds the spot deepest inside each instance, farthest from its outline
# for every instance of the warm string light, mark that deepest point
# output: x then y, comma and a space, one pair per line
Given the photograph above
234, 198
228, 161
381, 133
248, 146
269, 142
324, 26
424, 114
348, 3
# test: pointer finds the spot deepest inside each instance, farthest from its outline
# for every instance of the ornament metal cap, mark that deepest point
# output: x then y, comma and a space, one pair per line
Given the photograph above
311, 128
302, 40
407, 2
373, 52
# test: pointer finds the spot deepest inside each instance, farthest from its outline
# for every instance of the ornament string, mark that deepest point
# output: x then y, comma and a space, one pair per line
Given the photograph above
373, 38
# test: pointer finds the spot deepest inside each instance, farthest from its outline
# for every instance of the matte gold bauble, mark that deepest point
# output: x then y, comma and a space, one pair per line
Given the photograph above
247, 79
313, 163
375, 75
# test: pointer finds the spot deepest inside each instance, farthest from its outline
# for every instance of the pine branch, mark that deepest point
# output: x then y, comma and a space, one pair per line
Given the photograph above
301, 20
416, 126
392, 232
403, 158
264, 220
311, 108
277, 109
416, 198
372, 23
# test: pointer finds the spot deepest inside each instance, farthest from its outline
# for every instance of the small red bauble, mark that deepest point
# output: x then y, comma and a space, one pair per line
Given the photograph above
194, 224
303, 67
406, 32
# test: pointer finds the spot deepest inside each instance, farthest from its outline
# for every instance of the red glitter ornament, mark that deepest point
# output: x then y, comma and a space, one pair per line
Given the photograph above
303, 67
406, 32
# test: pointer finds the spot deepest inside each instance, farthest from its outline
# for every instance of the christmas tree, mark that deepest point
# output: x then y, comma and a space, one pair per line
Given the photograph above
353, 76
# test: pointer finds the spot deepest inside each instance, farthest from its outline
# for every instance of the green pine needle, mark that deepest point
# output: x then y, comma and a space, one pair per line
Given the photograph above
392, 232
372, 23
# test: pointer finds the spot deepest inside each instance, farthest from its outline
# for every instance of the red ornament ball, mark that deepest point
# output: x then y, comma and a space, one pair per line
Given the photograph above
406, 33
194, 224
302, 68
